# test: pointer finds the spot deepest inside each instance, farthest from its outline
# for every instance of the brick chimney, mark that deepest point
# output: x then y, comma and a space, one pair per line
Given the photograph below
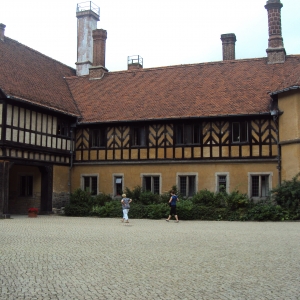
2, 31
134, 62
228, 43
87, 15
276, 52
99, 46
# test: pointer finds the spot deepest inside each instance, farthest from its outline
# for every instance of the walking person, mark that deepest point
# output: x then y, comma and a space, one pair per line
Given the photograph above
172, 202
125, 206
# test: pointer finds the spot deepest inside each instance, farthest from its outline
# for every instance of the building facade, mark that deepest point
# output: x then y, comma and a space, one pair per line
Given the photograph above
231, 124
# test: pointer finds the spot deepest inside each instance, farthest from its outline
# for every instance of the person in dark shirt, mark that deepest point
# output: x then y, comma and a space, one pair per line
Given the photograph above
172, 202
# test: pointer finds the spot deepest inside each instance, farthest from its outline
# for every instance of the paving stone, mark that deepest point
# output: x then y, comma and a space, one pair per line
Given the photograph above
57, 257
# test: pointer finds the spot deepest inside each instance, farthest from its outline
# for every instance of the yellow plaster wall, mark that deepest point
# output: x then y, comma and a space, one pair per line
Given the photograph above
60, 179
290, 164
289, 121
238, 173
289, 130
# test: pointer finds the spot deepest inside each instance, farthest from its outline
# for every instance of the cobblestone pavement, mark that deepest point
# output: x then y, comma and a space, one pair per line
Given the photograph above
55, 257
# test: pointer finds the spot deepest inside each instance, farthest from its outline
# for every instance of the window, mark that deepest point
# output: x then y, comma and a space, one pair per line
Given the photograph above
259, 184
62, 128
187, 134
187, 185
26, 186
97, 138
118, 185
138, 136
222, 182
90, 184
239, 132
152, 184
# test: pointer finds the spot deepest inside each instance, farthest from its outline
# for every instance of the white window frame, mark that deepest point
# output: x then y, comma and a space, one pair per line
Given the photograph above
89, 175
114, 177
182, 174
142, 175
217, 174
250, 174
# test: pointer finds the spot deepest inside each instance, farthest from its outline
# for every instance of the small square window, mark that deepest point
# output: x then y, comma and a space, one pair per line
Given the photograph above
239, 132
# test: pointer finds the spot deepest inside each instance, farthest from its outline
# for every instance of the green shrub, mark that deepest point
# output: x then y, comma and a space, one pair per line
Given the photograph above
288, 194
204, 197
157, 211
236, 200
101, 199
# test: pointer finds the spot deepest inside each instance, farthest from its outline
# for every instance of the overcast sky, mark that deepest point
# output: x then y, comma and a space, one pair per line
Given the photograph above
163, 32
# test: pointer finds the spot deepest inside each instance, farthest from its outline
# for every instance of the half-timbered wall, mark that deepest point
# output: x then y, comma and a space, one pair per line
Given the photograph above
37, 136
215, 141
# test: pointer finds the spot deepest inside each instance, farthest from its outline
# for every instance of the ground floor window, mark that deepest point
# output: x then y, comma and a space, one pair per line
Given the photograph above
187, 185
151, 183
222, 182
259, 185
90, 184
118, 185
26, 185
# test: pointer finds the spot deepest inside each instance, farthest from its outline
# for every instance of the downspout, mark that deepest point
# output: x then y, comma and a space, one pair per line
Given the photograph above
275, 114
73, 126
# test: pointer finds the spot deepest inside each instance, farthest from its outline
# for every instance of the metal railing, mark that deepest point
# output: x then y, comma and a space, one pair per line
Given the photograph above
135, 59
88, 5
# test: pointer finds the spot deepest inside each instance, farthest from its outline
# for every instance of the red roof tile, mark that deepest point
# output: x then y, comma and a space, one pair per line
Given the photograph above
33, 77
198, 90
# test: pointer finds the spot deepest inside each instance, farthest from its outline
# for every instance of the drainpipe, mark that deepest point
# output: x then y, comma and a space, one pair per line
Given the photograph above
73, 126
275, 114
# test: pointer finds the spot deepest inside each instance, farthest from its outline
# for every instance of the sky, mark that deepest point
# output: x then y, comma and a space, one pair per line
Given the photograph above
162, 32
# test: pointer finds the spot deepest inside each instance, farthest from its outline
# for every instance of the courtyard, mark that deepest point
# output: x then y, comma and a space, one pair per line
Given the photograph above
57, 257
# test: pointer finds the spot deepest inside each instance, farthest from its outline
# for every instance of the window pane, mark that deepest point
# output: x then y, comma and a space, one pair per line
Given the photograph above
188, 134
156, 185
142, 136
255, 186
182, 185
147, 183
196, 134
94, 185
235, 132
243, 132
222, 183
264, 185
179, 134
192, 185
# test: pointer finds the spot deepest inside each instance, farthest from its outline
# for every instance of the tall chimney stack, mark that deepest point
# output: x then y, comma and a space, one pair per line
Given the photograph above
98, 69
276, 52
88, 14
2, 30
228, 43
99, 40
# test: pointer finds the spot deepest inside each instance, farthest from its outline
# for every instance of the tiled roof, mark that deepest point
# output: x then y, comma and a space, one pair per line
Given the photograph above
184, 91
33, 77
237, 87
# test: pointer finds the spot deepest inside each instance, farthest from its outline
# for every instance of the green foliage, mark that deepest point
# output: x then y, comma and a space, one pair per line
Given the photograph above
204, 197
204, 205
288, 194
157, 211
236, 200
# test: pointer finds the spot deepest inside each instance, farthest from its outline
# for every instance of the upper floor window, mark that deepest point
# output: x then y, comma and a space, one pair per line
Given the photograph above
26, 185
97, 138
138, 136
240, 132
151, 183
63, 128
187, 134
